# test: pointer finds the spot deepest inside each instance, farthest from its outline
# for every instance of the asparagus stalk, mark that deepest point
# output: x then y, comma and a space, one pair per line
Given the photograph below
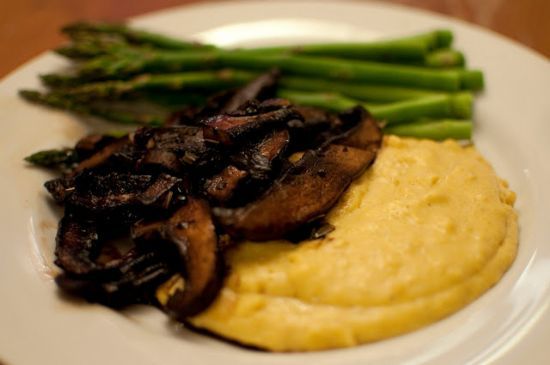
56, 158
359, 91
214, 80
99, 39
443, 58
123, 65
434, 129
196, 81
131, 35
435, 106
64, 102
90, 48
406, 49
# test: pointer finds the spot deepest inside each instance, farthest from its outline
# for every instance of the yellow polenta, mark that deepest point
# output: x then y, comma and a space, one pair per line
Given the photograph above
426, 230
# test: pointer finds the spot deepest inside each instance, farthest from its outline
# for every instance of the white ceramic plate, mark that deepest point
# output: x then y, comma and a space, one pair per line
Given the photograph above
508, 325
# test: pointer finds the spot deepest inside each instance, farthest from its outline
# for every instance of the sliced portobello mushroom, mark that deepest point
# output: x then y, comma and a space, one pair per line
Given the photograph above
229, 130
97, 192
251, 169
305, 192
260, 159
77, 245
102, 156
221, 187
176, 148
261, 88
192, 232
132, 279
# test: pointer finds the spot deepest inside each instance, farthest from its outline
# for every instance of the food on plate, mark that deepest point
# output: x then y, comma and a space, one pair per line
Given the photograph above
425, 231
134, 77
179, 189
261, 200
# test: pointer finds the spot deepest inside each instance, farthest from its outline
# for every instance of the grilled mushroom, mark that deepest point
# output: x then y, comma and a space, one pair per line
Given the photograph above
192, 232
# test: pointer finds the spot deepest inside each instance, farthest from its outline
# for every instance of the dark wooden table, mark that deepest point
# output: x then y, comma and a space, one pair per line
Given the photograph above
29, 27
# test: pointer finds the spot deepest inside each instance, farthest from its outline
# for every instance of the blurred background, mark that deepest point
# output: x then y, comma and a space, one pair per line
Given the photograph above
29, 27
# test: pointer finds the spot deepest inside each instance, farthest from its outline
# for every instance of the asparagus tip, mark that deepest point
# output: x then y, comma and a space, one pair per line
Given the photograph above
472, 80
444, 38
462, 104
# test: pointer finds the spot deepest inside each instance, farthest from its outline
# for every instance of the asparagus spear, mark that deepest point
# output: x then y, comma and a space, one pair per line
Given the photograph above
92, 47
64, 102
56, 158
435, 106
213, 80
404, 49
205, 80
359, 91
412, 48
130, 35
122, 65
442, 58
434, 129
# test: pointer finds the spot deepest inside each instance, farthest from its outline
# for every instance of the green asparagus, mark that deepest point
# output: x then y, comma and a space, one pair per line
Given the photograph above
64, 102
191, 81
56, 158
123, 65
130, 35
434, 129
435, 106
359, 91
214, 80
445, 57
405, 49
92, 40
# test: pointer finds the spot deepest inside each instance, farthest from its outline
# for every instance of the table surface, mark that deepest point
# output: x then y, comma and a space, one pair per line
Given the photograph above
29, 27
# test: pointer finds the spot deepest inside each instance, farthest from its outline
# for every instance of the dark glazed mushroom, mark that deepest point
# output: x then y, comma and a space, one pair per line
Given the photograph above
222, 187
132, 279
77, 245
261, 88
307, 191
192, 232
271, 169
229, 129
259, 159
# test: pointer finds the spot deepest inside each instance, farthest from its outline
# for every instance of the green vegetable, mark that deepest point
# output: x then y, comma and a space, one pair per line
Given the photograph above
57, 158
435, 106
434, 129
64, 102
130, 35
125, 64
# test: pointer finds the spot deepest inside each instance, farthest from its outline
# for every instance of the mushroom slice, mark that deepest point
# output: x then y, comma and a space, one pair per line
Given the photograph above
192, 232
103, 192
77, 244
221, 187
132, 279
173, 148
366, 134
60, 188
260, 158
101, 156
262, 87
229, 129
315, 129
142, 230
252, 167
306, 191
91, 144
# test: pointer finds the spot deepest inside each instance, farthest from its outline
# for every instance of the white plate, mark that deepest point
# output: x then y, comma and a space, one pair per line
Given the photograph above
508, 325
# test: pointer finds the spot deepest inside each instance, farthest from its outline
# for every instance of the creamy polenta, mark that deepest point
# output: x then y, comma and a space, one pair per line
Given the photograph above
425, 231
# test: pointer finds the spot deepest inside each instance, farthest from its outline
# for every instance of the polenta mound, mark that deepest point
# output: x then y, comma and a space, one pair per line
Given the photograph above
428, 229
